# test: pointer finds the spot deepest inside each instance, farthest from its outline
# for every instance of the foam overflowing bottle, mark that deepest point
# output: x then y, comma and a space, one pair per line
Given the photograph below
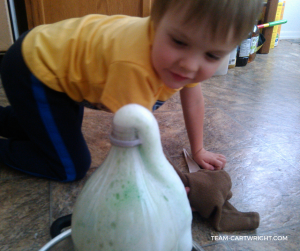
135, 200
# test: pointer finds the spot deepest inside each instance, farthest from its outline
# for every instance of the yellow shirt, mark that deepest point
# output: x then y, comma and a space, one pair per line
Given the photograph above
98, 58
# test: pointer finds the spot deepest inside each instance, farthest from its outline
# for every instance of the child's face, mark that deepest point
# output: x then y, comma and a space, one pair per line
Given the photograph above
184, 54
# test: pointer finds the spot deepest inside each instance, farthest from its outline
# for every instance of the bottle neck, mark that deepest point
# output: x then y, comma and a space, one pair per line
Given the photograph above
124, 137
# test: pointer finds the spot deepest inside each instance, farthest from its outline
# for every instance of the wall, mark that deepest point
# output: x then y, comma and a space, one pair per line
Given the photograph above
291, 30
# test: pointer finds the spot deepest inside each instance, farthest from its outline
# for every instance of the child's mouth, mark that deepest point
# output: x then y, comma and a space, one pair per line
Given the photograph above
178, 77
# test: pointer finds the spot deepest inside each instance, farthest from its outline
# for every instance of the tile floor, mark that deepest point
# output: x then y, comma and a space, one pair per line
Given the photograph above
252, 116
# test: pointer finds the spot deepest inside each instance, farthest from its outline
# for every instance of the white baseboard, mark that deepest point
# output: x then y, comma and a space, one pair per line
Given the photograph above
289, 34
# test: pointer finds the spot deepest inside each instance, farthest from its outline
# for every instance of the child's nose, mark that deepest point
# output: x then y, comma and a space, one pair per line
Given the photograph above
190, 64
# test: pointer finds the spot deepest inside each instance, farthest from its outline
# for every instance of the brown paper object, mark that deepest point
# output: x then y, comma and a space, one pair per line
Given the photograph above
192, 165
209, 195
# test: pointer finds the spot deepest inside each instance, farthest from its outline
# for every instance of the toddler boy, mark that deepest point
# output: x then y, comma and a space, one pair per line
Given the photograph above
112, 61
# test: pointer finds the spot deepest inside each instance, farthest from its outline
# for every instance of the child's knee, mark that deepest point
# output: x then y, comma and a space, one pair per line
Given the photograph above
82, 168
77, 171
81, 174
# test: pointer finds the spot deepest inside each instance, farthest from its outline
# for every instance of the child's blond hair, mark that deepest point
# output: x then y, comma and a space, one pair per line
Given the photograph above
241, 15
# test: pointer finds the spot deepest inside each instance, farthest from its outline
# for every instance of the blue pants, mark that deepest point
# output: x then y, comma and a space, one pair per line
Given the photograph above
42, 127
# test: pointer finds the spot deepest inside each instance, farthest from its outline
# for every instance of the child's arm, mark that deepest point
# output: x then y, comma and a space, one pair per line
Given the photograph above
193, 111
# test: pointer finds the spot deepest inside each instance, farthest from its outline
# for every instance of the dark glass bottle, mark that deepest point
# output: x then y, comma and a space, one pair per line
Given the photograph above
243, 51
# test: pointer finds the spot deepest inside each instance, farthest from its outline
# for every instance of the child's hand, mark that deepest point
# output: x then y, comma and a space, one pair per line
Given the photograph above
209, 160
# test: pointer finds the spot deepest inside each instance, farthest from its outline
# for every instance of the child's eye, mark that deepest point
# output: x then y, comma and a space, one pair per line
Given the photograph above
178, 42
212, 56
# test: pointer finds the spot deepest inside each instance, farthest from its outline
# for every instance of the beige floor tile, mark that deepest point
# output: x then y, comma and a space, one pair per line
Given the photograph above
24, 214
